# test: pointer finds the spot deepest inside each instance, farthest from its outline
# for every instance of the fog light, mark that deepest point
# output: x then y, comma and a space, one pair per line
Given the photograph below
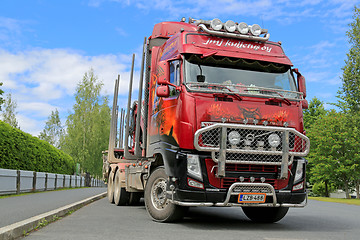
252, 179
298, 186
274, 140
234, 138
195, 184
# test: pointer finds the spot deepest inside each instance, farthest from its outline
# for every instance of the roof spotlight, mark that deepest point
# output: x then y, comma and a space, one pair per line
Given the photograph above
230, 26
255, 30
216, 24
243, 28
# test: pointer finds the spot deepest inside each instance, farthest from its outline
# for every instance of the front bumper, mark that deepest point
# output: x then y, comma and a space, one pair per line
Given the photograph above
228, 198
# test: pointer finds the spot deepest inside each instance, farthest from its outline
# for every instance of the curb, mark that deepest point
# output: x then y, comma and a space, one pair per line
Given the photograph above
18, 229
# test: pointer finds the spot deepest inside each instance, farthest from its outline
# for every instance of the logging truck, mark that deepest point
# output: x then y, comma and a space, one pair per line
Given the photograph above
218, 121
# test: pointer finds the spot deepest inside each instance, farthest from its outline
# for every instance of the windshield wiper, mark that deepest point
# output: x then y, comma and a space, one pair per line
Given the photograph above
219, 87
233, 93
282, 99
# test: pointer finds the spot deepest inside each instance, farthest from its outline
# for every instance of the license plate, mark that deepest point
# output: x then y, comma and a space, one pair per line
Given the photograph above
252, 198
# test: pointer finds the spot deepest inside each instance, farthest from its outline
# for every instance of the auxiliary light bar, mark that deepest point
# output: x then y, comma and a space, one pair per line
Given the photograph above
232, 29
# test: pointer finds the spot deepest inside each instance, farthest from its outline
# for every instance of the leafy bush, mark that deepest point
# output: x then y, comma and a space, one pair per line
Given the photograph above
318, 189
20, 150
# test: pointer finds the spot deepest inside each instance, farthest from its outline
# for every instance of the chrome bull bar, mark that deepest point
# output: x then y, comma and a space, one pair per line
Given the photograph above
233, 191
253, 147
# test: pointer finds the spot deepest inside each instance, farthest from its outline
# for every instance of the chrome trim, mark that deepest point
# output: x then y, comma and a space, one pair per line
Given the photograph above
222, 153
230, 193
251, 127
283, 93
234, 35
286, 154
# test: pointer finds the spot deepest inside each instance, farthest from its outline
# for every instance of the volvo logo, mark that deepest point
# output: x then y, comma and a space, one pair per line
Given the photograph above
250, 137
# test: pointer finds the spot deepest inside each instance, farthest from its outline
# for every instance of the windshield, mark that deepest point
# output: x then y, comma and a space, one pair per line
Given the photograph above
240, 76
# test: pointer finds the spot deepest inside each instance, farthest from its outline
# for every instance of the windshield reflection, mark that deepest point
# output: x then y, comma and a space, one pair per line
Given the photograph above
218, 77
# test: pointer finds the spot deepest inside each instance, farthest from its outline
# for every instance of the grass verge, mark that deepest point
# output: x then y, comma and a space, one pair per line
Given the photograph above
337, 200
43, 222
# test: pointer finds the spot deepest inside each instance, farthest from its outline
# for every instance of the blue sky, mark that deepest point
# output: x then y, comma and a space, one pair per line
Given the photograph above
47, 46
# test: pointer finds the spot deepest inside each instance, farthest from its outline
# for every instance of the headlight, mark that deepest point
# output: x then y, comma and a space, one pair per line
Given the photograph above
274, 140
243, 28
255, 30
216, 24
193, 166
234, 138
230, 26
299, 170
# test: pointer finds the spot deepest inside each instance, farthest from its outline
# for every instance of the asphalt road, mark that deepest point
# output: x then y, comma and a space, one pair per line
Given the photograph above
18, 208
101, 220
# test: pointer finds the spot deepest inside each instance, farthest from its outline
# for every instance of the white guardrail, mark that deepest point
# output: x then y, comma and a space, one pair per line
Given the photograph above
20, 181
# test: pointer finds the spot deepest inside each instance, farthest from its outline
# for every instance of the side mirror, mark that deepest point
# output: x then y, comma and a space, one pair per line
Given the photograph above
302, 85
305, 104
163, 91
301, 82
163, 73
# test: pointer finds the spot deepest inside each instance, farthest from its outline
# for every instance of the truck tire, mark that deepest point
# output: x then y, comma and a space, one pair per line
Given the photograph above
156, 203
110, 187
121, 196
265, 214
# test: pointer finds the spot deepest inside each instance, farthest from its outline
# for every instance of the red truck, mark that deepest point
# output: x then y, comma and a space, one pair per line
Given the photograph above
218, 122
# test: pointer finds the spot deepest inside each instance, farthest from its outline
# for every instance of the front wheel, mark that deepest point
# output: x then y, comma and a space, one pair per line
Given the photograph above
156, 202
265, 214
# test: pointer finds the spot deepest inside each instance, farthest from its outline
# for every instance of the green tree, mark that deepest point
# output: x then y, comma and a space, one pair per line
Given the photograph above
349, 93
88, 127
53, 130
1, 93
9, 112
316, 110
334, 151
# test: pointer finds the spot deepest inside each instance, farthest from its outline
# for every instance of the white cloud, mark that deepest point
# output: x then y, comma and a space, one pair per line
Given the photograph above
44, 79
29, 125
40, 108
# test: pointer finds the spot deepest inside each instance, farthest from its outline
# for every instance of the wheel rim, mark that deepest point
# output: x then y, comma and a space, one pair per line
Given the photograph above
116, 188
110, 187
158, 194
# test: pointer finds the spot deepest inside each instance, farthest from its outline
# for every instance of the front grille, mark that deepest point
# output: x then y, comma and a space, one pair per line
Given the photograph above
251, 158
254, 146
251, 168
250, 139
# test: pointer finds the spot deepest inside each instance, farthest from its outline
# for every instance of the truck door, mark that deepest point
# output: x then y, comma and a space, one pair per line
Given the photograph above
164, 113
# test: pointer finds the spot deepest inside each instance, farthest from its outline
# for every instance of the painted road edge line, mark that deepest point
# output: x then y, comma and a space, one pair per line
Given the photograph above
18, 229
